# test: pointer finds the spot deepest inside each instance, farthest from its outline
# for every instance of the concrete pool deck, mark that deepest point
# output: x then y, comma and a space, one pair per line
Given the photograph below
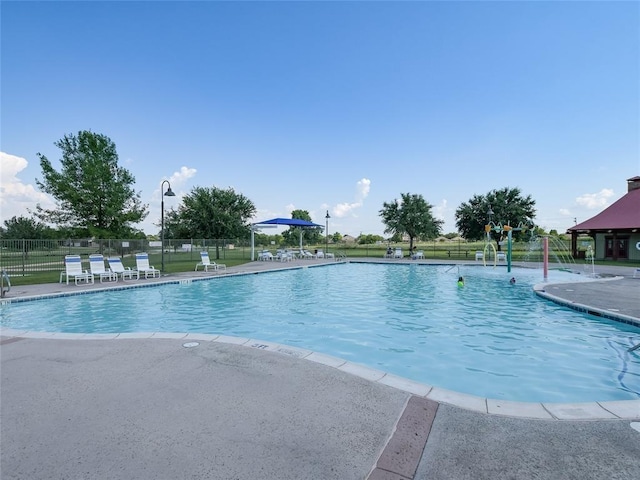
151, 406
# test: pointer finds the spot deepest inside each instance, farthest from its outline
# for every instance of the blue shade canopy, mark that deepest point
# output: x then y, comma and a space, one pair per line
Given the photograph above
292, 222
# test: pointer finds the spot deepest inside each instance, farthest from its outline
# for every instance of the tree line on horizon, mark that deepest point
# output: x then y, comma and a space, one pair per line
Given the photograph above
95, 198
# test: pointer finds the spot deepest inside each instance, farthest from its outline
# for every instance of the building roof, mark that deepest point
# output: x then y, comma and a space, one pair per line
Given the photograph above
621, 215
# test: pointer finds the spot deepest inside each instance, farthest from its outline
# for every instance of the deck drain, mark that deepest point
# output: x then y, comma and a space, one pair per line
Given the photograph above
190, 344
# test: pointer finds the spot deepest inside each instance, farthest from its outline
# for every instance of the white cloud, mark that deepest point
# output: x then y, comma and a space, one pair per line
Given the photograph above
362, 192
440, 210
17, 197
181, 177
177, 180
363, 186
593, 201
564, 212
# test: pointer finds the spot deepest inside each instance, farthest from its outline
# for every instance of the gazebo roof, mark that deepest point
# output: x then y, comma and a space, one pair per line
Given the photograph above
621, 215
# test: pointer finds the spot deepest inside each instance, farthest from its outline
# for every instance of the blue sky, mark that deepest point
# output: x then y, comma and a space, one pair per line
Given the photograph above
336, 106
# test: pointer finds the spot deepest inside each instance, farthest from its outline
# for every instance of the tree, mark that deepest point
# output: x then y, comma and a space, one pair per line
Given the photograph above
411, 215
509, 207
94, 195
26, 228
211, 213
369, 239
312, 235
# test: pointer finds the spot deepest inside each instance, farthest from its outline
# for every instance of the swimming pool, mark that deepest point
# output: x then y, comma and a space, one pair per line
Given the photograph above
488, 338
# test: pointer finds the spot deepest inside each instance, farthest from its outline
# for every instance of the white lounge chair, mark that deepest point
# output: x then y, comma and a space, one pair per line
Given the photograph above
307, 254
320, 254
397, 253
479, 255
116, 266
142, 266
96, 264
419, 254
207, 264
283, 256
73, 269
265, 256
501, 256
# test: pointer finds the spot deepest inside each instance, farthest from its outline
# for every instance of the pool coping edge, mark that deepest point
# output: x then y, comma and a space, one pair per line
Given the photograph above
598, 410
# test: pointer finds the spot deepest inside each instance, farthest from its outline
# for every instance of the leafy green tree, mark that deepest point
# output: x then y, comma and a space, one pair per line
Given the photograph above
411, 215
509, 207
212, 213
369, 239
336, 237
310, 236
539, 231
26, 228
94, 195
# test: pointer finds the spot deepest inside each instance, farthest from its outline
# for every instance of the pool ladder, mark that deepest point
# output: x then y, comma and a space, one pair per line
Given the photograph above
4, 278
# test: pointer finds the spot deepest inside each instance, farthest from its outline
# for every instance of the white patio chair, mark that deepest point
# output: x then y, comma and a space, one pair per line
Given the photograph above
282, 256
265, 256
206, 263
397, 253
479, 255
73, 269
96, 264
142, 266
116, 266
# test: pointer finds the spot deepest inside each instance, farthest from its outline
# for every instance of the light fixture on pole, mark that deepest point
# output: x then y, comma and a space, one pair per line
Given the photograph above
168, 193
490, 214
326, 233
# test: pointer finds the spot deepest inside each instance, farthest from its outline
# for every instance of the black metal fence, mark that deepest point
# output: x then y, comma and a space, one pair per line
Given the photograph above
24, 257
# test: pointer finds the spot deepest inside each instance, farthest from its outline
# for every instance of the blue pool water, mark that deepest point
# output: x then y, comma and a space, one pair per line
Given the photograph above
488, 338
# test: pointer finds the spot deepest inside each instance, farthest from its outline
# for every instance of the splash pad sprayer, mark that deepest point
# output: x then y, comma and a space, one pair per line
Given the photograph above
545, 253
501, 229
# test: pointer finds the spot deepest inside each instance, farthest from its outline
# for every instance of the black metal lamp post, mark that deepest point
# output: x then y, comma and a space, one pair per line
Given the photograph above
168, 193
326, 233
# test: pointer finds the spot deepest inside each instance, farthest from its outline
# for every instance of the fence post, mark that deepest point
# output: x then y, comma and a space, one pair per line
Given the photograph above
24, 257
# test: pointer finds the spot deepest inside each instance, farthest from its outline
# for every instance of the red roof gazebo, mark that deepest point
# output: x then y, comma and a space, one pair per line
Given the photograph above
615, 230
